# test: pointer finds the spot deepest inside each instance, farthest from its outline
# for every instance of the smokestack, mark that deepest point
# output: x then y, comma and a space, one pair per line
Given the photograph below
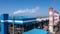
51, 19
56, 17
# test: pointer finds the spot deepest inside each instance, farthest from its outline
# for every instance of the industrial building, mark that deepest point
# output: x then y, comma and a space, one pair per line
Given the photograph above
20, 25
29, 25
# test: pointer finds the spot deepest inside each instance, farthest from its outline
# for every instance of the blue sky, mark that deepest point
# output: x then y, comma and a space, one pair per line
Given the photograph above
28, 7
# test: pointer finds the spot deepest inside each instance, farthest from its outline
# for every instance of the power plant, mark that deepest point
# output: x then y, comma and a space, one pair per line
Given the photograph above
28, 25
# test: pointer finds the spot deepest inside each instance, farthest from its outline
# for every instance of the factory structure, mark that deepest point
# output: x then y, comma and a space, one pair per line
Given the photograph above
53, 19
19, 24
15, 24
26, 25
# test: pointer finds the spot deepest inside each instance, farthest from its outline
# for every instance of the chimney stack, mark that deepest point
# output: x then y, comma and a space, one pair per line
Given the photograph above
51, 19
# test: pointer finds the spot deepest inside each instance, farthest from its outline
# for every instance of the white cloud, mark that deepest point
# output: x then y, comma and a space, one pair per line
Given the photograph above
33, 10
18, 11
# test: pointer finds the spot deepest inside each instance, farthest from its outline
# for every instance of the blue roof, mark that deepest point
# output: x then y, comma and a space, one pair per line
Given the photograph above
22, 18
19, 17
36, 31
